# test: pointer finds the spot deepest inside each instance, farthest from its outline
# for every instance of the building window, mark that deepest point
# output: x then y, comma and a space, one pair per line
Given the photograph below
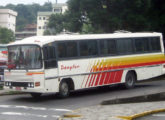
39, 27
40, 18
57, 10
43, 18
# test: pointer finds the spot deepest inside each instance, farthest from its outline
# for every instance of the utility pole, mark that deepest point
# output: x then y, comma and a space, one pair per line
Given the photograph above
56, 1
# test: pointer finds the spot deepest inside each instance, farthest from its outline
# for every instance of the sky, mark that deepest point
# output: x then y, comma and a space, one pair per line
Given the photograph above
4, 2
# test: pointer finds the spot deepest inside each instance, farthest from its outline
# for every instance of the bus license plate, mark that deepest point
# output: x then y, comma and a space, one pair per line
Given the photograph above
18, 88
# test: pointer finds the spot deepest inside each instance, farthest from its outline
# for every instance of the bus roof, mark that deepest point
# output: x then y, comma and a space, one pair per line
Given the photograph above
42, 40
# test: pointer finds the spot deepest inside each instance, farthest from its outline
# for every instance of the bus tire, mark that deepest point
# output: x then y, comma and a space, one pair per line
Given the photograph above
36, 95
64, 89
130, 80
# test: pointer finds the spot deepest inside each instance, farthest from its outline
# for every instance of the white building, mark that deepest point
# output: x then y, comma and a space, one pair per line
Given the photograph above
8, 19
43, 17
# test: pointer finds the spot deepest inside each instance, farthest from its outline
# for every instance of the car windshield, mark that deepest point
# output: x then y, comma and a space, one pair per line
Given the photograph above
24, 57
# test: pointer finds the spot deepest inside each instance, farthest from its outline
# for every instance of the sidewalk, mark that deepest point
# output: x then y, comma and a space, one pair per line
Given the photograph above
110, 112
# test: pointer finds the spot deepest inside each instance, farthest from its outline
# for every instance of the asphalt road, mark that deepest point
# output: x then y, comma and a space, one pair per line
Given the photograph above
49, 106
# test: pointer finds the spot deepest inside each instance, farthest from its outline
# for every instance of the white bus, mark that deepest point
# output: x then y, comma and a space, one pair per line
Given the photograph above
49, 64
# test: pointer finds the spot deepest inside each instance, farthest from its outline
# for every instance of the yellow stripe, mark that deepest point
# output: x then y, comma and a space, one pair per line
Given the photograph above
131, 60
34, 73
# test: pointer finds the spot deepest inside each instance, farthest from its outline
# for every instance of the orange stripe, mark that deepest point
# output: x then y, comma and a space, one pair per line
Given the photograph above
34, 73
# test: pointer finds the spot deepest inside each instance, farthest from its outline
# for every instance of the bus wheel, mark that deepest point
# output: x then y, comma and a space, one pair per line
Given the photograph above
36, 95
130, 80
64, 89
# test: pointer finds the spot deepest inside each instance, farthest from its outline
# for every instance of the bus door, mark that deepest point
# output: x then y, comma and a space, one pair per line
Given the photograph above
51, 71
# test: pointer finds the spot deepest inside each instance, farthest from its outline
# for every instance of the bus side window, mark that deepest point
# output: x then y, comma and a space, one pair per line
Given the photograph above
88, 48
141, 45
108, 47
71, 48
50, 57
155, 44
61, 50
124, 46
83, 48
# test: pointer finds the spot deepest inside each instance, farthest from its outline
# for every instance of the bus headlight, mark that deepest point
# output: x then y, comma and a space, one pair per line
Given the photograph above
9, 83
31, 85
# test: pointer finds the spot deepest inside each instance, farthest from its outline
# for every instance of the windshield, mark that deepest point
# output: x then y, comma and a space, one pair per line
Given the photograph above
24, 57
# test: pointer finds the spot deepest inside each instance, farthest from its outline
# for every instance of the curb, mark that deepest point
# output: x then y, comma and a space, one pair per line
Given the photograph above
136, 99
132, 117
72, 116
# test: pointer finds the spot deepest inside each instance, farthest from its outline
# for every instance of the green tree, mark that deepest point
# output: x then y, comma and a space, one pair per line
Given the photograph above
105, 16
6, 36
56, 24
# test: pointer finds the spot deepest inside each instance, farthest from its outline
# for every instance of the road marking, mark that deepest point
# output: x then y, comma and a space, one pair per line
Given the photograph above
23, 114
34, 108
4, 106
66, 110
55, 116
158, 115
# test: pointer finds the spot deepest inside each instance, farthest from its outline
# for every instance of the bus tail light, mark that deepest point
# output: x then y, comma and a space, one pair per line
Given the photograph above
37, 84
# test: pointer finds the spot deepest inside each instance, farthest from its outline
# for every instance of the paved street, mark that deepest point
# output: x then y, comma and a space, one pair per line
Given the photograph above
50, 107
157, 116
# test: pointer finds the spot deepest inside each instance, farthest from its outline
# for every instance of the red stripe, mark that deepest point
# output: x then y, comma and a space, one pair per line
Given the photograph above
107, 78
93, 79
120, 76
102, 77
111, 77
88, 78
98, 78
137, 65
